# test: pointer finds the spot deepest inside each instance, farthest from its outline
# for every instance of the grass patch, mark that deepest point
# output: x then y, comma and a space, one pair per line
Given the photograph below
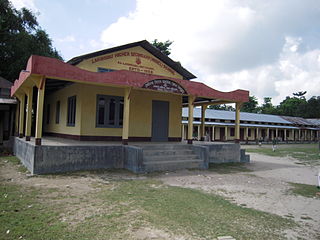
15, 161
305, 190
181, 210
307, 155
226, 168
119, 207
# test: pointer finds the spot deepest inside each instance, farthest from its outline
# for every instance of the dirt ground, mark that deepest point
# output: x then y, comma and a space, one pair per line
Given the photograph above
264, 188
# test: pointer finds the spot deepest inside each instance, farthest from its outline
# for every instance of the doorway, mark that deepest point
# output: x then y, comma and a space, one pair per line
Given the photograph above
160, 121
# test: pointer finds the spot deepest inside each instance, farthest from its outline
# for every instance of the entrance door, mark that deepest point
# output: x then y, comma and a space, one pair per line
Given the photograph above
160, 121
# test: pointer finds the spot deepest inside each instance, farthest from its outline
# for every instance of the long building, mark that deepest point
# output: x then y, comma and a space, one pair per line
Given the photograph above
220, 126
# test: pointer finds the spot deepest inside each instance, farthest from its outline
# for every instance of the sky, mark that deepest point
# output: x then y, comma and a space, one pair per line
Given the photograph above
270, 48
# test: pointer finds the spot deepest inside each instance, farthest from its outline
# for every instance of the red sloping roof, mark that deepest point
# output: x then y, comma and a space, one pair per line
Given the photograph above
54, 68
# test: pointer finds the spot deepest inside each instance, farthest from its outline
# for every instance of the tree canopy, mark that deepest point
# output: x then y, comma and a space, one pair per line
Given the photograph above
296, 106
164, 47
20, 37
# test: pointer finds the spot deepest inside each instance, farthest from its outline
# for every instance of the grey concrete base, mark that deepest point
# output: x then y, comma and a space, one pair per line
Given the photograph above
222, 153
245, 158
54, 159
138, 159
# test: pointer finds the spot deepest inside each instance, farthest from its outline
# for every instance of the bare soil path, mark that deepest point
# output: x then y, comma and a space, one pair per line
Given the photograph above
264, 188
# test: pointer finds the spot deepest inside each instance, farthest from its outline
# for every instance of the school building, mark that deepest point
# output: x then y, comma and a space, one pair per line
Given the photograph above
127, 93
220, 126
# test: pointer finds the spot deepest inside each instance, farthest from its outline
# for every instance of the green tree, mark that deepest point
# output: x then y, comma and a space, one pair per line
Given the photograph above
311, 108
222, 107
20, 37
267, 107
164, 47
251, 106
292, 106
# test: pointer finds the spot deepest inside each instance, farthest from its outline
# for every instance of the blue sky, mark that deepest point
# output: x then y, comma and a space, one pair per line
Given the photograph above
270, 48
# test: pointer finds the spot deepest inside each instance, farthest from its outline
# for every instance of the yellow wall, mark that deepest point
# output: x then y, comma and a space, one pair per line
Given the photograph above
134, 59
140, 111
62, 96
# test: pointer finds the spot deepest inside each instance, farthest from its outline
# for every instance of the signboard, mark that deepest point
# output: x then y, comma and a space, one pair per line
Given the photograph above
134, 61
165, 85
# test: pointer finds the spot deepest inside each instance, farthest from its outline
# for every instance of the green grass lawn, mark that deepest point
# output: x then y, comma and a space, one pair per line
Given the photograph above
124, 206
305, 190
307, 154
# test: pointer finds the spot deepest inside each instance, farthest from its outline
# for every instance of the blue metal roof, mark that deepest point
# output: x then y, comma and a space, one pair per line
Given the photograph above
244, 116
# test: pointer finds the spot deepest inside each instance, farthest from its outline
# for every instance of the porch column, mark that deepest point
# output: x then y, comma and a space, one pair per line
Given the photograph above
226, 133
246, 133
182, 132
199, 132
257, 133
39, 116
299, 135
29, 92
237, 122
16, 122
21, 114
212, 137
285, 135
126, 111
268, 135
277, 133
305, 135
202, 126
190, 118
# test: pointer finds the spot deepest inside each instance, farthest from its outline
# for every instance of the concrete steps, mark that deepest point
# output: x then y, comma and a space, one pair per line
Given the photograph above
163, 157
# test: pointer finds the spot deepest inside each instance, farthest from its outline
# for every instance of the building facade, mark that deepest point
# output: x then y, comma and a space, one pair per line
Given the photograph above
220, 126
128, 93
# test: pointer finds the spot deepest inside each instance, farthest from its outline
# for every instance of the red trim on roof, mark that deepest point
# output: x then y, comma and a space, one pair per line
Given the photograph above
54, 68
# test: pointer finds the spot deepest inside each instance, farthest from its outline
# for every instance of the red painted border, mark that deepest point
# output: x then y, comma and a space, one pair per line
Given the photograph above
54, 68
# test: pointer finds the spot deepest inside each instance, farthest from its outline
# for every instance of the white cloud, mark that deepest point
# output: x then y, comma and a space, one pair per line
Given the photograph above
267, 47
30, 4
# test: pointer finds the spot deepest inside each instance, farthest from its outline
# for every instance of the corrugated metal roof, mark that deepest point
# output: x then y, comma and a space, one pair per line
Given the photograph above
244, 116
246, 125
314, 121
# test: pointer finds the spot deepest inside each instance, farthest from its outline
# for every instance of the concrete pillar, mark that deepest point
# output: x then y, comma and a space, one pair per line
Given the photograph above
277, 133
285, 135
246, 134
190, 118
202, 126
126, 113
21, 114
226, 133
182, 132
29, 93
16, 131
299, 133
212, 136
257, 131
305, 135
237, 122
198, 132
268, 134
39, 116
